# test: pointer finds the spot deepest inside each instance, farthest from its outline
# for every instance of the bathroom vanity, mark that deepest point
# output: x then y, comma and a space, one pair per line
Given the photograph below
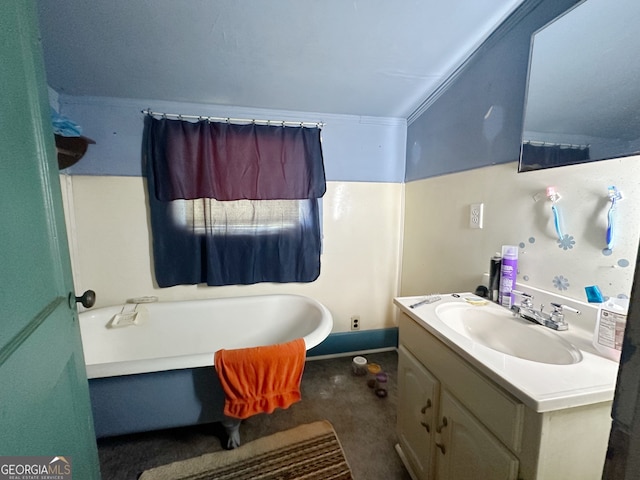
468, 411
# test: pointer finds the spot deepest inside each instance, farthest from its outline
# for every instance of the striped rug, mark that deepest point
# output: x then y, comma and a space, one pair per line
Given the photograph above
309, 452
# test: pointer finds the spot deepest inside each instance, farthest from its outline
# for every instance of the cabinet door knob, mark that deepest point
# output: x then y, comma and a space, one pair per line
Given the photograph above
427, 406
444, 423
426, 426
441, 447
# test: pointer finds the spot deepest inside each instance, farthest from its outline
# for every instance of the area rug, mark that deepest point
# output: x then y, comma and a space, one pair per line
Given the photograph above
310, 452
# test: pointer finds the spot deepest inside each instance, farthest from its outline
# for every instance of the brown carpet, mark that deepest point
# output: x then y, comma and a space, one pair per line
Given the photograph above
311, 451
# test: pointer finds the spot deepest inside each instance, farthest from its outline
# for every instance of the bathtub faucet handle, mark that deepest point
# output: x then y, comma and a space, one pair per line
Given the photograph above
88, 299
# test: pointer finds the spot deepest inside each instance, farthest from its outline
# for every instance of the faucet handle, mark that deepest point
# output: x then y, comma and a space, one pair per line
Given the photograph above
560, 308
526, 298
522, 294
556, 319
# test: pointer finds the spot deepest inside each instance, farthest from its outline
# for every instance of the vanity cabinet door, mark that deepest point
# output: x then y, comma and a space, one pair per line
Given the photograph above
466, 450
418, 393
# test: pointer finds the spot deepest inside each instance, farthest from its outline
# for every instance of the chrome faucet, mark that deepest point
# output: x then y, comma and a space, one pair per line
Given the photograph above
554, 320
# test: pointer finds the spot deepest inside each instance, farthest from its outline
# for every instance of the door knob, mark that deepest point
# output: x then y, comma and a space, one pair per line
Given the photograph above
88, 299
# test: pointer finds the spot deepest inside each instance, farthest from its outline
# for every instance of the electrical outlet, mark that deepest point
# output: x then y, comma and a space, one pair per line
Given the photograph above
355, 322
476, 215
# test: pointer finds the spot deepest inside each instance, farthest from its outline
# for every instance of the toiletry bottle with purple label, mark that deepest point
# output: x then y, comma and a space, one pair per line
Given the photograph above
508, 274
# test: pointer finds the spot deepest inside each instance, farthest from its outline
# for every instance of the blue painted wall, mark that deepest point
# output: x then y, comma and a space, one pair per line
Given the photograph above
476, 119
359, 149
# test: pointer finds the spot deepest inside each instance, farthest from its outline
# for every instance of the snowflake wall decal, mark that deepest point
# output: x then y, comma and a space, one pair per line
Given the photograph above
560, 282
566, 242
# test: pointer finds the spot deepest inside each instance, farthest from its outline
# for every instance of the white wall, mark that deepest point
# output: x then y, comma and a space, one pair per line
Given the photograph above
111, 250
363, 230
107, 222
442, 254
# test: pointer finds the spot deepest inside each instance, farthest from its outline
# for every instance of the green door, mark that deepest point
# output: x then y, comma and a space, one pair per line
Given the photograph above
44, 399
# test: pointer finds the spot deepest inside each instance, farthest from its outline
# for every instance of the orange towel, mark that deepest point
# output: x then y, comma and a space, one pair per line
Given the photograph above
260, 379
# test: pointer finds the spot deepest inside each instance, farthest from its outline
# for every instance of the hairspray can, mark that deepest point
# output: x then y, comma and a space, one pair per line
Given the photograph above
508, 274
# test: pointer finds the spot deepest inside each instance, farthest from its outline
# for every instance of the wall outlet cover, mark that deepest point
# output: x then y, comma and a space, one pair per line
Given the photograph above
476, 215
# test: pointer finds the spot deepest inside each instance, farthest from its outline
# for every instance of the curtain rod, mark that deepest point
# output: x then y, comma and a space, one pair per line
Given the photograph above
283, 123
536, 143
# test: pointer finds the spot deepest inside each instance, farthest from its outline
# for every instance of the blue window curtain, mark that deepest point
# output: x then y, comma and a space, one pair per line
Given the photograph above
227, 161
233, 206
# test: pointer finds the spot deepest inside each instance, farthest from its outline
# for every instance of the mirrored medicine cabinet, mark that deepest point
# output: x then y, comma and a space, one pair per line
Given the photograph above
583, 89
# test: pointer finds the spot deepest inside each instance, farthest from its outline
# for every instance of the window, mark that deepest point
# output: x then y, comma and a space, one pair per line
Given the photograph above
239, 217
233, 204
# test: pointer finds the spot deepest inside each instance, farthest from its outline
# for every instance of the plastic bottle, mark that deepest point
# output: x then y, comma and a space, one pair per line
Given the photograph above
508, 274
494, 277
610, 326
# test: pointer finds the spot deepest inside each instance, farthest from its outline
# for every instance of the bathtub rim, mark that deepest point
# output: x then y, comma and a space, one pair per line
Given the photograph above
179, 362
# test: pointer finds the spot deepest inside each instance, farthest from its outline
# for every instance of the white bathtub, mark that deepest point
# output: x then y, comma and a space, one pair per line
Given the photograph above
174, 335
157, 373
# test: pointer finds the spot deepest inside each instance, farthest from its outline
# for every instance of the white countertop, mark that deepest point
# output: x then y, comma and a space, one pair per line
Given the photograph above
542, 387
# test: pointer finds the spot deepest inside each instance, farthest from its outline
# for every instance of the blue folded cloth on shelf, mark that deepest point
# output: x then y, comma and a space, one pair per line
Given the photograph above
64, 126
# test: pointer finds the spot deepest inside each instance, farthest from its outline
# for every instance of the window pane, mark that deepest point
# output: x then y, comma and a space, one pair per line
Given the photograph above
239, 217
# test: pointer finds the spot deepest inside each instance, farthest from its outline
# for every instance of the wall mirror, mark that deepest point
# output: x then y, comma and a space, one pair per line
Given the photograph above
583, 90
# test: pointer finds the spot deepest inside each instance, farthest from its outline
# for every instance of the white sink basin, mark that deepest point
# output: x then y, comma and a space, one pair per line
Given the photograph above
498, 329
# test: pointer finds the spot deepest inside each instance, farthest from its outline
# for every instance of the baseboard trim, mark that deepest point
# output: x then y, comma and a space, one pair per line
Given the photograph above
338, 344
